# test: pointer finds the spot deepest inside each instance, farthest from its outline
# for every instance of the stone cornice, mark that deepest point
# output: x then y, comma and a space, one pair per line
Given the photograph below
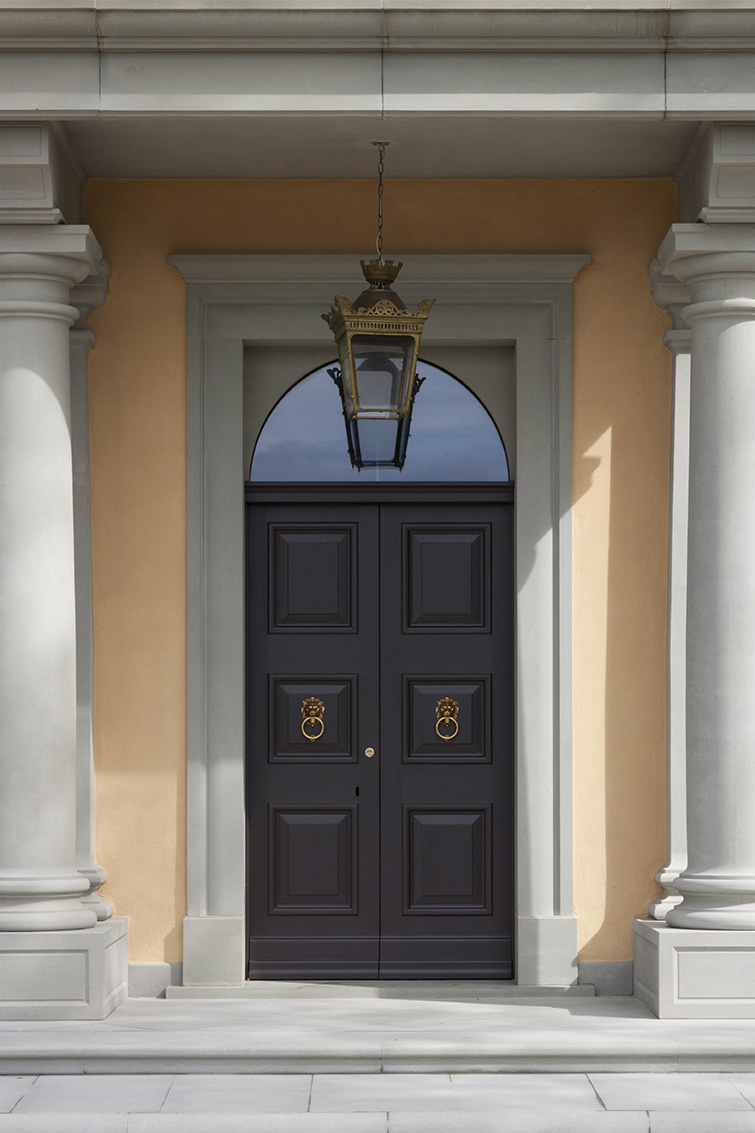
489, 25
482, 271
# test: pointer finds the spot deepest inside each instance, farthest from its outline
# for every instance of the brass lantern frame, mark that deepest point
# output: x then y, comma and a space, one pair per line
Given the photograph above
384, 318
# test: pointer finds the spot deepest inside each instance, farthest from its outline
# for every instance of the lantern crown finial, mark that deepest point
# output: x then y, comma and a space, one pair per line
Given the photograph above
379, 273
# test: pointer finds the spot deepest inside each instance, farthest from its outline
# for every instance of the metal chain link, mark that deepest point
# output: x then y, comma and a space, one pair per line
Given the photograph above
381, 169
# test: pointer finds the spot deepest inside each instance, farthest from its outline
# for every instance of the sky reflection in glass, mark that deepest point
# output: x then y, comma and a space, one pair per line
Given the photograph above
453, 437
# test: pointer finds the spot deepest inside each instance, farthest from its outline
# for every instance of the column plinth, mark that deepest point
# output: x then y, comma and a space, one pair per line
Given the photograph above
40, 887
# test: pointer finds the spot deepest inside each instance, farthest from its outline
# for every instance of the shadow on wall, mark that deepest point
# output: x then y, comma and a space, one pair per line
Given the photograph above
621, 461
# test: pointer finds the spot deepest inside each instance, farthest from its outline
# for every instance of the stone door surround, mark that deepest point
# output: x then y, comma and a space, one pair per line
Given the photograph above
237, 300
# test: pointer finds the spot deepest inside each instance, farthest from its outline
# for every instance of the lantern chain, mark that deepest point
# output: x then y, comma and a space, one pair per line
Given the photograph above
381, 169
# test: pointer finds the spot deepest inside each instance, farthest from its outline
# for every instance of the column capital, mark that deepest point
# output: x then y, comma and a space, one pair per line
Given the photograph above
68, 252
717, 264
727, 248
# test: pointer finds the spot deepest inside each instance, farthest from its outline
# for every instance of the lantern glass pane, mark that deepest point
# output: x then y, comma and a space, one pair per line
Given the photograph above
377, 441
383, 366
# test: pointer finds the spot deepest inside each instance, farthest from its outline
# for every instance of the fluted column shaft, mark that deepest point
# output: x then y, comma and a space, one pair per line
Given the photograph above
39, 884
717, 263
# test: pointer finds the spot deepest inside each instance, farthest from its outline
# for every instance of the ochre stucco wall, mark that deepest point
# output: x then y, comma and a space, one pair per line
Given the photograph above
621, 436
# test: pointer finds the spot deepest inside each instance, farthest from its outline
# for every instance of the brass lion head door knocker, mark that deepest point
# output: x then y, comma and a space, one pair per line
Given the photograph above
446, 723
313, 724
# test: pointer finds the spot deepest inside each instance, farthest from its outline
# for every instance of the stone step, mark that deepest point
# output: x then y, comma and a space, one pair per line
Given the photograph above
487, 990
510, 1121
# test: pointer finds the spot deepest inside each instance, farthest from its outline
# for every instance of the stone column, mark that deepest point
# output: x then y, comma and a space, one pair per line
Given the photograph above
40, 887
717, 264
673, 297
86, 297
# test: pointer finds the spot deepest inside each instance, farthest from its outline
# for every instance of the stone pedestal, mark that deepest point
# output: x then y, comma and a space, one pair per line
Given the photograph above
64, 975
694, 973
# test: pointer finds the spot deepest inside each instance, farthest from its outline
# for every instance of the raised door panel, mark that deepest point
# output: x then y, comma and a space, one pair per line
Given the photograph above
462, 735
331, 737
312, 571
447, 860
447, 578
312, 858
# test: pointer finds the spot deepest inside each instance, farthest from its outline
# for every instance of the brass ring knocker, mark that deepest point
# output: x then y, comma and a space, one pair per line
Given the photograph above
446, 712
313, 711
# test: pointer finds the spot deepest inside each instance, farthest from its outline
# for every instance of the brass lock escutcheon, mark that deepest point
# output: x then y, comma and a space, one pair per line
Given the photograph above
313, 724
446, 713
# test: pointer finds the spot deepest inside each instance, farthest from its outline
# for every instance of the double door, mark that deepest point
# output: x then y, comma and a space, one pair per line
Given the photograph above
379, 739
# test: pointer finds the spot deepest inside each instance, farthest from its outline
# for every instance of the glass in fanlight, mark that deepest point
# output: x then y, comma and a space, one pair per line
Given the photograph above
453, 437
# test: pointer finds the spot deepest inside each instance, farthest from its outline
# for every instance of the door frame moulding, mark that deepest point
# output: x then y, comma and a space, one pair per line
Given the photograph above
492, 299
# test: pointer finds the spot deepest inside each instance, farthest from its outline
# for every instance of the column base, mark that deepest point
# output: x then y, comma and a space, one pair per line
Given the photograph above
80, 974
694, 973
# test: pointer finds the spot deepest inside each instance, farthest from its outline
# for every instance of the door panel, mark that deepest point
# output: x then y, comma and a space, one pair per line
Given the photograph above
312, 578
399, 865
448, 803
448, 578
312, 859
312, 802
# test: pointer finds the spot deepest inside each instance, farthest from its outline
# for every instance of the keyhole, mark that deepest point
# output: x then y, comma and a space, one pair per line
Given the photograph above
356, 792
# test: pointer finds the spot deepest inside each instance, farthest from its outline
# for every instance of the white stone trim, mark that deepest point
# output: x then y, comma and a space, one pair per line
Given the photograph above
672, 296
328, 24
525, 300
86, 296
186, 75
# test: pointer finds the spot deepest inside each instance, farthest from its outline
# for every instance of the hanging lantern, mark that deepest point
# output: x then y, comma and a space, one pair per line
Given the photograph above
377, 337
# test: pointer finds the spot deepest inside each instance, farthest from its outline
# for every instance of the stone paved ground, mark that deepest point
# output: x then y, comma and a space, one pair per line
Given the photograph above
378, 1103
379, 1063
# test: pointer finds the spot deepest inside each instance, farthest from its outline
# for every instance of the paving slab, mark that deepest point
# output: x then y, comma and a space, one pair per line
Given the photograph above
686, 1122
95, 1093
12, 1089
64, 1123
745, 1083
353, 1093
519, 1091
238, 1093
668, 1092
519, 1121
256, 1123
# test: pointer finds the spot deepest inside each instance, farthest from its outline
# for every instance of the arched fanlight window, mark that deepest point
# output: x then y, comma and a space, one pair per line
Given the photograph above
452, 436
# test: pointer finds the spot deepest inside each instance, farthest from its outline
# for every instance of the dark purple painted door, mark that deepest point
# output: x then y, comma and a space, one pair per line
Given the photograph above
385, 627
